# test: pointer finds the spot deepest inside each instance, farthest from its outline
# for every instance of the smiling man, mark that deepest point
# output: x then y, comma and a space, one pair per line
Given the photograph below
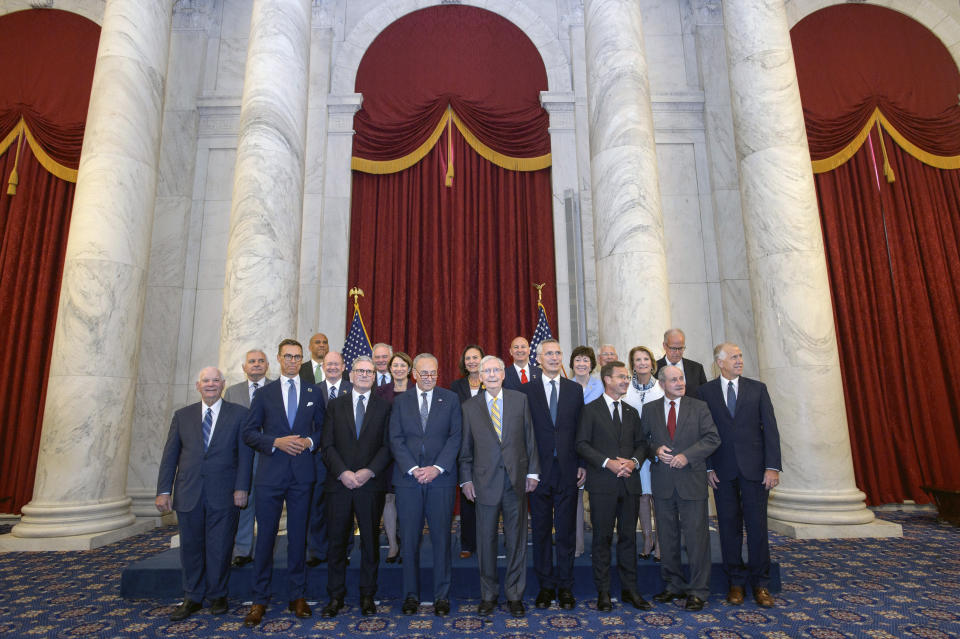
521, 371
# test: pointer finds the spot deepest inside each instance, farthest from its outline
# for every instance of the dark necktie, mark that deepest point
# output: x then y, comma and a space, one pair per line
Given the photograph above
291, 403
424, 412
207, 428
253, 389
553, 401
672, 420
731, 399
359, 415
616, 417
383, 379
333, 392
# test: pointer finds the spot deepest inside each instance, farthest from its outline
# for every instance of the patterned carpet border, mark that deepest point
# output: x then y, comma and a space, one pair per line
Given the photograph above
875, 588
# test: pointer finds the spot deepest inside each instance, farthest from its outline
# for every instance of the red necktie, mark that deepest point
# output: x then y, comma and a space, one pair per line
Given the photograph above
523, 376
672, 420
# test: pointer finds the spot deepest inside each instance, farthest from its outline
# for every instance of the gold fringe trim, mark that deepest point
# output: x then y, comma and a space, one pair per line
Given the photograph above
381, 167
52, 166
449, 179
878, 119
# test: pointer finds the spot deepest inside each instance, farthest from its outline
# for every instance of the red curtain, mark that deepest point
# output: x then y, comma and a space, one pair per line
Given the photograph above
444, 266
48, 59
892, 247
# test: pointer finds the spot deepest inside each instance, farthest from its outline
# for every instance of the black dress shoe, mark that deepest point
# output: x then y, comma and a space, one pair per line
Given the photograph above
332, 608
666, 596
565, 597
241, 560
516, 608
441, 607
603, 601
644, 555
631, 597
367, 607
694, 603
313, 562
410, 606
393, 559
218, 606
545, 598
184, 610
486, 607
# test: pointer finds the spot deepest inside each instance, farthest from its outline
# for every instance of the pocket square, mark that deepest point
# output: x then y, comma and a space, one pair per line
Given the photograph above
309, 403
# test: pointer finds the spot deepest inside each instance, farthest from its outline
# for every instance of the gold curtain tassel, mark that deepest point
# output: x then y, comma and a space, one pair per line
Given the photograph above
449, 180
887, 169
14, 176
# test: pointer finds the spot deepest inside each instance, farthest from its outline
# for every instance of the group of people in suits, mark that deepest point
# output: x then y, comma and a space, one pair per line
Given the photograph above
509, 436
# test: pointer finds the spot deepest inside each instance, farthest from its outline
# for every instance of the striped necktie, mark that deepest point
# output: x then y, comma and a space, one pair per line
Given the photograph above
495, 416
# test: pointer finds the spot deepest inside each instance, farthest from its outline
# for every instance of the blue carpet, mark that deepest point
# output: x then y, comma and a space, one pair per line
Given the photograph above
881, 589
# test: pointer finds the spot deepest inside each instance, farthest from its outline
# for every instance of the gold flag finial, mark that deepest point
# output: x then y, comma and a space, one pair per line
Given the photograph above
539, 288
356, 292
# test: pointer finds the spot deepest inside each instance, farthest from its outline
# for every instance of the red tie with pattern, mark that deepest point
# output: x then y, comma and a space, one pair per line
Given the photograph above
672, 420
523, 376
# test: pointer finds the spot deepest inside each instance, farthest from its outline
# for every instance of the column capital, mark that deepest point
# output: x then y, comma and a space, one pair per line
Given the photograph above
340, 111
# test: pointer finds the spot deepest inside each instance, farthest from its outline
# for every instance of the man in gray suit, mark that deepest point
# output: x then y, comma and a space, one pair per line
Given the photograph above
499, 465
682, 435
255, 366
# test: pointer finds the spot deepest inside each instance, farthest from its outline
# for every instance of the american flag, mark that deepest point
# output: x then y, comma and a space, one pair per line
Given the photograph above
358, 342
540, 333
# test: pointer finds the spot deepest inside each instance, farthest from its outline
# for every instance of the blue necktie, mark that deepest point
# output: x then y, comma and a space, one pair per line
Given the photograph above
731, 399
333, 392
358, 417
553, 401
291, 404
207, 428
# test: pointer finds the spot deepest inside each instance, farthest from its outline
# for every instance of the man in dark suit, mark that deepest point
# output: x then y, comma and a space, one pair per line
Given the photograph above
555, 405
520, 372
333, 385
674, 344
356, 452
610, 440
742, 471
311, 371
254, 367
499, 465
211, 464
283, 426
382, 353
425, 436
682, 435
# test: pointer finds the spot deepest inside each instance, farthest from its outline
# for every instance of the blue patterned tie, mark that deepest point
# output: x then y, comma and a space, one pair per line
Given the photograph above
731, 399
359, 415
207, 428
291, 404
553, 401
333, 392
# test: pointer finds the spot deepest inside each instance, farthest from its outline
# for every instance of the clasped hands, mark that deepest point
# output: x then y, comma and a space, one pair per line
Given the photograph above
425, 474
292, 444
665, 454
621, 466
357, 479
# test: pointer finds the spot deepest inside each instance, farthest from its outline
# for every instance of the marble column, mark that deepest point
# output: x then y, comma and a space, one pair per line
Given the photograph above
263, 253
632, 292
79, 498
796, 337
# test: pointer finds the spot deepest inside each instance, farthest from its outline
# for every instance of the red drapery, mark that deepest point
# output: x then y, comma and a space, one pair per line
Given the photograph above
444, 266
892, 246
48, 58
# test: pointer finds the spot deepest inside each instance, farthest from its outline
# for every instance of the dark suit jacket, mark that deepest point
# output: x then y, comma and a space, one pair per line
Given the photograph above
306, 372
512, 381
749, 441
239, 393
388, 393
342, 450
439, 445
563, 436
696, 437
344, 387
483, 457
462, 388
267, 420
692, 372
597, 440
215, 473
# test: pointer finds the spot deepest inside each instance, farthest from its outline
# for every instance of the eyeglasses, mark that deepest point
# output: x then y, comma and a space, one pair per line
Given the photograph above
427, 374
363, 372
287, 357
676, 349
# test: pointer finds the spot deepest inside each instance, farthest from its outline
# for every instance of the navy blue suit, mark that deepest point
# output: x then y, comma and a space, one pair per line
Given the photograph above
412, 446
282, 477
749, 444
553, 505
203, 493
512, 381
317, 542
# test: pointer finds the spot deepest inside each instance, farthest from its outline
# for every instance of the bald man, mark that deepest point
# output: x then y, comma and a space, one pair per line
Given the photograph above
311, 371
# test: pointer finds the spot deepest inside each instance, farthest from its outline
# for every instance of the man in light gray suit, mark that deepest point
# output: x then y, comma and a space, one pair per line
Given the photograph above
255, 367
682, 435
499, 465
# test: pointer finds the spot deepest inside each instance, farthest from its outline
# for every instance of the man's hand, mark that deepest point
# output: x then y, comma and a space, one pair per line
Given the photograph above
581, 477
363, 476
349, 479
771, 478
532, 484
626, 467
664, 454
678, 461
426, 474
468, 491
162, 502
240, 498
291, 444
712, 478
614, 466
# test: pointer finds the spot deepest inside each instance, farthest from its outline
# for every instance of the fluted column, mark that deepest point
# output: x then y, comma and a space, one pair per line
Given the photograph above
633, 299
78, 499
796, 337
263, 253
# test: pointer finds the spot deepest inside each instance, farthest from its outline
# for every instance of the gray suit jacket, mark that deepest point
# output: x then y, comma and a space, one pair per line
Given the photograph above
483, 456
239, 393
696, 437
